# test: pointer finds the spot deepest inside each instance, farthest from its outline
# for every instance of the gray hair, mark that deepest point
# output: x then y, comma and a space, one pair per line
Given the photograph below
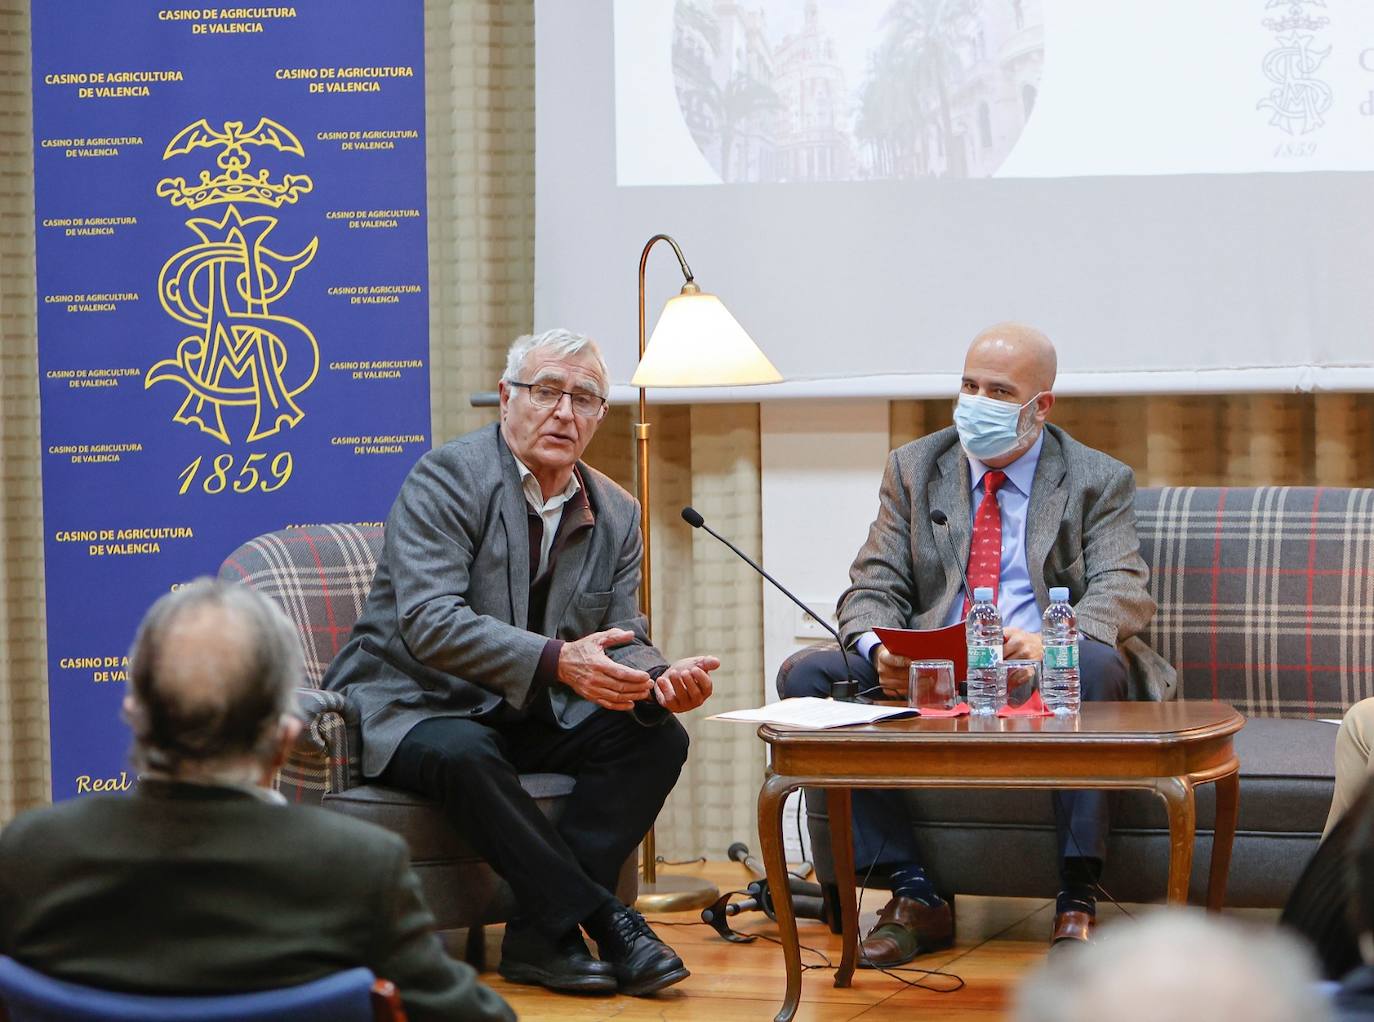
211, 672
1177, 963
559, 343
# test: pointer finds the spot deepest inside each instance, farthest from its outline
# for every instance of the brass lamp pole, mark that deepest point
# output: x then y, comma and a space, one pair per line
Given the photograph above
642, 467
695, 343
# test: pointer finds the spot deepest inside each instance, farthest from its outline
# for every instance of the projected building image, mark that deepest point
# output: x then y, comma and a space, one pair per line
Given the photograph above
805, 90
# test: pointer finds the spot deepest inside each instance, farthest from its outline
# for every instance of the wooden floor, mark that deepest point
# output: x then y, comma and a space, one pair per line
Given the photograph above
999, 941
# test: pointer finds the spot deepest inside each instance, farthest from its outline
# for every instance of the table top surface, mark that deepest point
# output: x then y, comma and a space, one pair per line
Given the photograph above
1148, 723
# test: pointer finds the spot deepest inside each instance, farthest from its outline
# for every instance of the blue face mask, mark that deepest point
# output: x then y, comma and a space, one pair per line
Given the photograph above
989, 428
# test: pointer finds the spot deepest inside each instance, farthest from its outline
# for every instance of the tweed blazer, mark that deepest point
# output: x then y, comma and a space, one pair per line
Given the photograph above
1080, 533
192, 889
443, 630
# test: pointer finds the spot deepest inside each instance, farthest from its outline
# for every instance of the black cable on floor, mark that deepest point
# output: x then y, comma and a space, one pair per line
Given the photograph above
825, 962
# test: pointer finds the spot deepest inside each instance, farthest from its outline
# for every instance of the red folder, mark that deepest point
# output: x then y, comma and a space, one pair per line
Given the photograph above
929, 644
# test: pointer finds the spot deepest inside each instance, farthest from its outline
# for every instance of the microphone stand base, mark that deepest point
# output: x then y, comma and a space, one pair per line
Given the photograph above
676, 894
845, 691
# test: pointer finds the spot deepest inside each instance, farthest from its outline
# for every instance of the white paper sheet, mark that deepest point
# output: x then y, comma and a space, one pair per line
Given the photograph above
811, 712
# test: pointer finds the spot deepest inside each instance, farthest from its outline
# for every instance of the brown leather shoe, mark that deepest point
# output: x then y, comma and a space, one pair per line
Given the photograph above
1072, 928
905, 929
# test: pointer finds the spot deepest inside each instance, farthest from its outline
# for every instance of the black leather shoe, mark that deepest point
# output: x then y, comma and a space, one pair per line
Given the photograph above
528, 956
643, 963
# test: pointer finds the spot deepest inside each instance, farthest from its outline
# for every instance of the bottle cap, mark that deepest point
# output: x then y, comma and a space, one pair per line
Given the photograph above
1059, 594
983, 593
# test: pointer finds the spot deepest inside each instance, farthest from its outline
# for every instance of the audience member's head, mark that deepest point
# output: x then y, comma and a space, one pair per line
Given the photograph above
1359, 871
1006, 392
1177, 964
1330, 904
211, 675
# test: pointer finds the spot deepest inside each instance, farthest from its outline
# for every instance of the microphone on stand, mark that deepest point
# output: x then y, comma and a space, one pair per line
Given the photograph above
938, 517
739, 852
846, 691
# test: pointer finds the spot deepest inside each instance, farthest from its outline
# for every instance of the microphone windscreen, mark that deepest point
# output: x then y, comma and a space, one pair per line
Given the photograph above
692, 517
938, 517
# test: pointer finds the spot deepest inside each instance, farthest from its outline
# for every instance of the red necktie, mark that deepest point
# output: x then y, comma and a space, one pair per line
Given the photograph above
985, 552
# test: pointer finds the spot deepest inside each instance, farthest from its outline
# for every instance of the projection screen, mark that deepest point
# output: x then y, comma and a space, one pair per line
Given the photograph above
1180, 194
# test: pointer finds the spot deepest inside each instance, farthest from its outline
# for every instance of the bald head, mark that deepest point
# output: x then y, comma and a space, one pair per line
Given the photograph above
1021, 353
1153, 969
1014, 364
210, 674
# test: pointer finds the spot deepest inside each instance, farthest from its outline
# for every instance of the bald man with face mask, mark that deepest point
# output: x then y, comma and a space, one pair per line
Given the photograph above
1065, 518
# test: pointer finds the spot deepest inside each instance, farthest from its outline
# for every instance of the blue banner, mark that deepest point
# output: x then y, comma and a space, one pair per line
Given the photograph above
232, 305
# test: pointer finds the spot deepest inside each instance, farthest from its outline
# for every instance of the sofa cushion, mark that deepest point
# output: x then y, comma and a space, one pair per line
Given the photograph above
421, 822
1264, 595
1285, 781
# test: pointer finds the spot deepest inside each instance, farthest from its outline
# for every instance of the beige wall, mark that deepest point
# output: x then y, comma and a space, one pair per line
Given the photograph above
23, 686
479, 98
1208, 440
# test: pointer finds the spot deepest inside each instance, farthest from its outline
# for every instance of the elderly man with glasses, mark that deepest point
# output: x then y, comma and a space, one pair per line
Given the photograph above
502, 635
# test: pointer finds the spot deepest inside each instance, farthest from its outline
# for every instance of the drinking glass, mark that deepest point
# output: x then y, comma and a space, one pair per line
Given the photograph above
930, 684
1023, 680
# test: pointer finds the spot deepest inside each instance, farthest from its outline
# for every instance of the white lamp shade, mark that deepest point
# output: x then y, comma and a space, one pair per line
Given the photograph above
697, 343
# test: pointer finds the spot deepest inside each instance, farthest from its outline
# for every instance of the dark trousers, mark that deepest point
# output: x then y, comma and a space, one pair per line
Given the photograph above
560, 873
883, 833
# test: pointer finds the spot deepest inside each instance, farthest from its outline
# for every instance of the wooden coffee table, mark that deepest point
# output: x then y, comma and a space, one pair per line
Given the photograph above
1167, 747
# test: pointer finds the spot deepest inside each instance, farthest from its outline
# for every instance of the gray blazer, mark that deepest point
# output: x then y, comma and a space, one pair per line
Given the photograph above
443, 634
1080, 533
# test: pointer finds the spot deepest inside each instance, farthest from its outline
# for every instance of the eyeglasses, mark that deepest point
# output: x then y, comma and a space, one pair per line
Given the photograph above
542, 395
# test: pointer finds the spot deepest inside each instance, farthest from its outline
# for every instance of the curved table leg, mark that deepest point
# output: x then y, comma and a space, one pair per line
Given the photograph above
771, 798
1223, 835
842, 850
1177, 793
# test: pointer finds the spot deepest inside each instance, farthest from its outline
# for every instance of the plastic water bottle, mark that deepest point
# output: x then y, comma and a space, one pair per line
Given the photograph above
983, 630
1059, 686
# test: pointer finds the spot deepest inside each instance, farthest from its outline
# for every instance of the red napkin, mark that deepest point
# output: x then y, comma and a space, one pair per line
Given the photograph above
957, 710
1032, 707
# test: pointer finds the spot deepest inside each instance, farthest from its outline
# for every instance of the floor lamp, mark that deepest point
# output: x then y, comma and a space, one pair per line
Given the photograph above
696, 343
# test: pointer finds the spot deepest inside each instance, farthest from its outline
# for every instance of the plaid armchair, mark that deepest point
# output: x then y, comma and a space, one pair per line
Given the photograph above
320, 575
1266, 601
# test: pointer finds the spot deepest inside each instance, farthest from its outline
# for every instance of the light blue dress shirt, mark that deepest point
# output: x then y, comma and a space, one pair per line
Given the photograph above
1015, 597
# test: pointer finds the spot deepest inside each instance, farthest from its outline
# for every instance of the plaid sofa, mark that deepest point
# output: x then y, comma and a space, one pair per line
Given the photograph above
1266, 601
320, 576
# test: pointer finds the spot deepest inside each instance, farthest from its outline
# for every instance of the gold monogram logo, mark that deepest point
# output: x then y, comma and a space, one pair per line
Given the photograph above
224, 285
